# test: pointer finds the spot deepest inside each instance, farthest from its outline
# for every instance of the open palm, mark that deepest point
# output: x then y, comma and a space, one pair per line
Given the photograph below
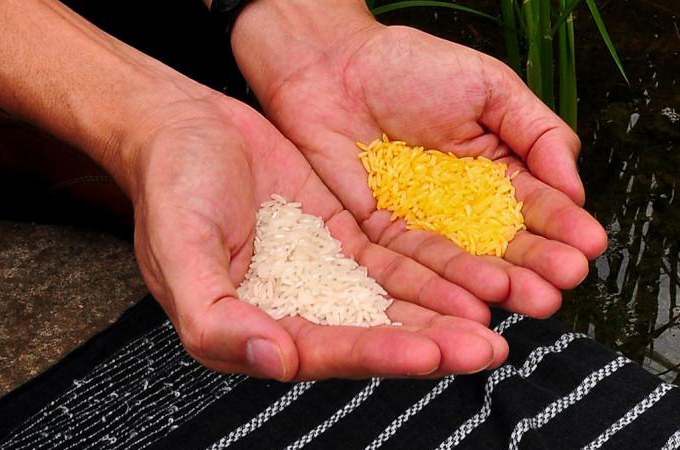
438, 94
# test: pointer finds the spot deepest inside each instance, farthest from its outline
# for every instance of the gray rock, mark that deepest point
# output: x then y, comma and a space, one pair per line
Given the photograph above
59, 285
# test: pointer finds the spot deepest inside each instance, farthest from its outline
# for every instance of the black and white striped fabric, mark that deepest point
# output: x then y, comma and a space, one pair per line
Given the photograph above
134, 387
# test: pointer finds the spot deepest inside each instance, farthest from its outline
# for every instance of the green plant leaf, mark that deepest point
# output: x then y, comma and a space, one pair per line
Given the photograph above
546, 49
520, 17
605, 36
564, 13
568, 100
534, 78
370, 3
511, 38
413, 3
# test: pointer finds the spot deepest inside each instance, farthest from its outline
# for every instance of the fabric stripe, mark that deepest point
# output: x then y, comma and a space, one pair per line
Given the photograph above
84, 387
508, 322
501, 374
358, 399
116, 423
141, 405
145, 390
259, 420
558, 406
649, 401
412, 411
44, 420
200, 401
673, 442
404, 417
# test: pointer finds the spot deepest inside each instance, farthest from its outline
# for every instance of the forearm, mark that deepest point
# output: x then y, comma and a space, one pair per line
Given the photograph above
64, 75
272, 39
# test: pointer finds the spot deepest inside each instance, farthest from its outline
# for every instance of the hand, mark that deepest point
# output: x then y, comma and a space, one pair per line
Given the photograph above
334, 90
202, 173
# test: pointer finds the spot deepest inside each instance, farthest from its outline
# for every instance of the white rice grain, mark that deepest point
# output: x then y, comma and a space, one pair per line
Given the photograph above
298, 269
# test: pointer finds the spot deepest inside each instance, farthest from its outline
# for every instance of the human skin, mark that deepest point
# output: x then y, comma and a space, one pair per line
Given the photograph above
196, 165
347, 78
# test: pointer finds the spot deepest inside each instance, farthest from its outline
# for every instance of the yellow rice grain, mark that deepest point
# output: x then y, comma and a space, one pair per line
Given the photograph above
469, 200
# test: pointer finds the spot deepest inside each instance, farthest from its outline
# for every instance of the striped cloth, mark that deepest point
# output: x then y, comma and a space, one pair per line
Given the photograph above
134, 387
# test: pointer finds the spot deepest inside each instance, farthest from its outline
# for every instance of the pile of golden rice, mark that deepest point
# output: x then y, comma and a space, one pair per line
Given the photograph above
469, 200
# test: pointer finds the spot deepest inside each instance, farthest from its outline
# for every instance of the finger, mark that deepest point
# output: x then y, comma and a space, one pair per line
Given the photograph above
356, 352
410, 314
416, 317
530, 294
486, 281
404, 278
217, 329
534, 132
391, 351
235, 336
466, 346
560, 264
550, 213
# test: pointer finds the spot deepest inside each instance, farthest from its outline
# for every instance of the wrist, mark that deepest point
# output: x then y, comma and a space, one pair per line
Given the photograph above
69, 78
152, 101
112, 128
273, 39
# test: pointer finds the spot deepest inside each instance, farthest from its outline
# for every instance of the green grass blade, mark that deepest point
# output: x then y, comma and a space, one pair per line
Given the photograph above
573, 92
535, 10
568, 107
511, 38
564, 13
546, 49
534, 79
370, 3
605, 36
412, 3
520, 17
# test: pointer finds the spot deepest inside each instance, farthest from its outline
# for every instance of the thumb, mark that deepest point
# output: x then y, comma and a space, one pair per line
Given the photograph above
534, 132
234, 336
216, 328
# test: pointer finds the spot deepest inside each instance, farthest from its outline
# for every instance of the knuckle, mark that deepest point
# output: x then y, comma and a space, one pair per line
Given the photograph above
193, 339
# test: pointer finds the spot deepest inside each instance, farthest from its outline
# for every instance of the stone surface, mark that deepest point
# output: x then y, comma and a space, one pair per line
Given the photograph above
59, 285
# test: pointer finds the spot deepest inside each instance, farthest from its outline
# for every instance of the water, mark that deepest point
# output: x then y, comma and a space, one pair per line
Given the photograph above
629, 163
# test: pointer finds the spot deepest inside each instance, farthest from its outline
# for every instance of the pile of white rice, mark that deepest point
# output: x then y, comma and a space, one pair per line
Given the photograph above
298, 269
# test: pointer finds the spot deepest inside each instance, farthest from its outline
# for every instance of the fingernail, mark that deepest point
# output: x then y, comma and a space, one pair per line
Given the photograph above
424, 373
583, 278
266, 358
472, 372
489, 346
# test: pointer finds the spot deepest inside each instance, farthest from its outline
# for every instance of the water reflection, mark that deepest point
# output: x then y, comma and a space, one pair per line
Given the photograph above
630, 166
629, 301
